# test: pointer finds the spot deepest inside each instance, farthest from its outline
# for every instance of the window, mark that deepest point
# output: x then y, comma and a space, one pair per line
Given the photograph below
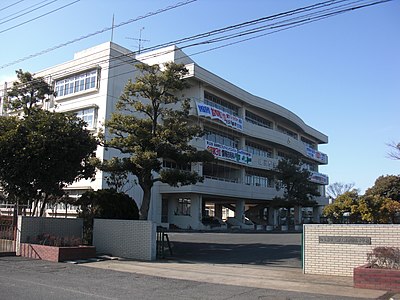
221, 104
87, 115
76, 83
183, 208
308, 143
258, 150
257, 120
222, 139
310, 166
287, 132
258, 180
168, 164
283, 155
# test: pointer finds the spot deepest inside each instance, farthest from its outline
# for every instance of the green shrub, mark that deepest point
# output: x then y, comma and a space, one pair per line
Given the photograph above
105, 204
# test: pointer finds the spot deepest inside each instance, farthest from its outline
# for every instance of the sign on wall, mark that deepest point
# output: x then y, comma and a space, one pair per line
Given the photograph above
319, 178
314, 154
205, 110
226, 152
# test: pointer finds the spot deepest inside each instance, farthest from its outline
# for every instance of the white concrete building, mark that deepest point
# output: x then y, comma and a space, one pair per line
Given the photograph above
247, 133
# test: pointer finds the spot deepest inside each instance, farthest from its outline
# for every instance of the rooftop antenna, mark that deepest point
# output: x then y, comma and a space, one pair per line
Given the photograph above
140, 40
112, 29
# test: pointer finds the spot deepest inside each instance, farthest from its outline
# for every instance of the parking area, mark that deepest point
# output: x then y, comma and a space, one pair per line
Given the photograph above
252, 248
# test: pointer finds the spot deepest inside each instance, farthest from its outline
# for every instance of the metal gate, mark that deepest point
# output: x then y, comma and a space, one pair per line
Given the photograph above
8, 232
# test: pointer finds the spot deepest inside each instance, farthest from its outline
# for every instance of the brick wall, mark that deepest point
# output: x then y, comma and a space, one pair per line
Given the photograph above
125, 238
340, 256
30, 227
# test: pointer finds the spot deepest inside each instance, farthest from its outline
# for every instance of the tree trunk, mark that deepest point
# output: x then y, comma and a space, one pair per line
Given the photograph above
35, 204
43, 205
144, 208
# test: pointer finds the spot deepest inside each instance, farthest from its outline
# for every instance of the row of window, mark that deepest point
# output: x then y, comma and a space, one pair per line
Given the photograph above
287, 132
76, 83
259, 180
252, 148
221, 104
308, 143
250, 117
223, 139
257, 120
173, 165
258, 150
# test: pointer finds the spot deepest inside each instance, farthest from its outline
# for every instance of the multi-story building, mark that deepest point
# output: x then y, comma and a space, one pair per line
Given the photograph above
247, 134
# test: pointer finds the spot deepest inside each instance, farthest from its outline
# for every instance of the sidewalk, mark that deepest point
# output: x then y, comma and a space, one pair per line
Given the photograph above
278, 278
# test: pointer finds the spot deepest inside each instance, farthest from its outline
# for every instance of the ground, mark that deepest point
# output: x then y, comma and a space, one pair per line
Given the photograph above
253, 248
33, 279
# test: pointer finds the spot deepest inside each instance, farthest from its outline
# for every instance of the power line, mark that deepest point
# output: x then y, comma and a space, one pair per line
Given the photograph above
98, 32
38, 17
16, 17
248, 23
8, 6
276, 27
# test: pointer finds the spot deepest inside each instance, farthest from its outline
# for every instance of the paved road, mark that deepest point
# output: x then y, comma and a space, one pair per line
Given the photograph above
252, 248
22, 278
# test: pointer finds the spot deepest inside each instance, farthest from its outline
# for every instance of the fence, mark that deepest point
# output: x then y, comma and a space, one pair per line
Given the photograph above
8, 230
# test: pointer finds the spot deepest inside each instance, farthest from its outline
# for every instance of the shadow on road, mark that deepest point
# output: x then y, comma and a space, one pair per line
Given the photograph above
241, 253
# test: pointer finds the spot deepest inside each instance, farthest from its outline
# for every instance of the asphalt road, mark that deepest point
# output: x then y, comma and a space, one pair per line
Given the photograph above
250, 248
22, 278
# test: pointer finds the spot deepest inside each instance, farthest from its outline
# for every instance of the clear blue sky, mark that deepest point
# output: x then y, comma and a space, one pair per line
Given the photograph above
341, 75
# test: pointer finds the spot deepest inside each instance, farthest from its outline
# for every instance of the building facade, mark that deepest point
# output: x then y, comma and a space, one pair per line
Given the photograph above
247, 134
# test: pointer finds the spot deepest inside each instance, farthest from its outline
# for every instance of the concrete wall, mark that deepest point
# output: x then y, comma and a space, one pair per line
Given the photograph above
30, 227
335, 249
125, 238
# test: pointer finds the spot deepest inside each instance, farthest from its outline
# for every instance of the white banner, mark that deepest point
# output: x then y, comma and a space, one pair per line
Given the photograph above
205, 110
314, 154
319, 178
227, 152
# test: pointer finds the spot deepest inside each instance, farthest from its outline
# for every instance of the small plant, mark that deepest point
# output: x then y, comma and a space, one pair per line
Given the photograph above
57, 241
384, 257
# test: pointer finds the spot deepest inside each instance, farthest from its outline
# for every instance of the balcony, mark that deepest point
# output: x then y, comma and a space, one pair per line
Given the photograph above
223, 188
273, 136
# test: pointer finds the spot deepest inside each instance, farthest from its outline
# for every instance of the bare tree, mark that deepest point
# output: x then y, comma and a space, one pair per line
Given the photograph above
395, 150
336, 189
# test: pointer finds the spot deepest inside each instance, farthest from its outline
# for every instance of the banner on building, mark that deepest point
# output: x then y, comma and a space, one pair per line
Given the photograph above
205, 110
319, 178
314, 154
230, 153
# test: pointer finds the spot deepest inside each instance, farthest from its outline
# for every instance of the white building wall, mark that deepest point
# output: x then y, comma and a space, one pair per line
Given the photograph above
116, 66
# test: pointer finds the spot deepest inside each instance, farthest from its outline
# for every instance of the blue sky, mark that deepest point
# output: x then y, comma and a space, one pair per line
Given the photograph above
341, 75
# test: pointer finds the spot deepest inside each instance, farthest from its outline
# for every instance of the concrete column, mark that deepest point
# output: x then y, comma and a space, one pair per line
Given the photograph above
218, 210
239, 210
297, 215
317, 211
202, 207
272, 220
